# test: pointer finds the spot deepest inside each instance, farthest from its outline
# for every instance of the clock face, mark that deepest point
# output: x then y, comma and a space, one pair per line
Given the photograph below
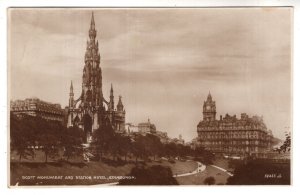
208, 107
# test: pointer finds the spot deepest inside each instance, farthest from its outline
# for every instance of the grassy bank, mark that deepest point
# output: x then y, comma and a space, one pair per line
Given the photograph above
198, 179
95, 172
179, 167
19, 170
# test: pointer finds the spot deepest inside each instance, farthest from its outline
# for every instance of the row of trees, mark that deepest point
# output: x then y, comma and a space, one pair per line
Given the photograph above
143, 147
29, 134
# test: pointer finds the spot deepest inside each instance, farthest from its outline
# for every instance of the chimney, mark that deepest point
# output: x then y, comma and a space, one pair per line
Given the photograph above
221, 118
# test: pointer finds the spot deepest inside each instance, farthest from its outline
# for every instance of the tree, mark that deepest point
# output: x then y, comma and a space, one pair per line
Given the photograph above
203, 155
153, 145
286, 146
170, 149
199, 151
125, 146
22, 136
49, 137
137, 148
103, 138
187, 151
115, 145
209, 181
72, 140
148, 145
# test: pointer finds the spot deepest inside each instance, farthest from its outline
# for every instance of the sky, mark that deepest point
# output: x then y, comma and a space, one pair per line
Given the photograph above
163, 62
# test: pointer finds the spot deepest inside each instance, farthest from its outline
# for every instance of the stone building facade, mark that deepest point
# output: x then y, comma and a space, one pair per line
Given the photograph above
38, 108
146, 127
131, 128
91, 110
244, 136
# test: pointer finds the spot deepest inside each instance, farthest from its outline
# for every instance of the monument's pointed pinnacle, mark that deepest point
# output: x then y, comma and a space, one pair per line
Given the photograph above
209, 96
111, 90
92, 21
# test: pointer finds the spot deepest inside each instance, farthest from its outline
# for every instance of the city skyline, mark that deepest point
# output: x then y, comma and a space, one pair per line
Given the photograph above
161, 62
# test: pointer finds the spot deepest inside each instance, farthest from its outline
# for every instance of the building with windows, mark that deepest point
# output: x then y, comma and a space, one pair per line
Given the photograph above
146, 127
231, 135
131, 128
38, 108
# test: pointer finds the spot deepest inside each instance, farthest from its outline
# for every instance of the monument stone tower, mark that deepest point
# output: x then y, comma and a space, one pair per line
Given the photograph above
88, 111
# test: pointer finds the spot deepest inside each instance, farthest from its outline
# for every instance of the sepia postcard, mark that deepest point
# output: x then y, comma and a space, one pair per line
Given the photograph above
150, 96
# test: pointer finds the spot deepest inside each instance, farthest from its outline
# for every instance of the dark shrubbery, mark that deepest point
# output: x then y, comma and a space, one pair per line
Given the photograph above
209, 181
261, 173
154, 175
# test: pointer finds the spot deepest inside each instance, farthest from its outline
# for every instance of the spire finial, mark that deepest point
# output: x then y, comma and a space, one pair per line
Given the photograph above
71, 89
92, 31
111, 90
92, 21
209, 96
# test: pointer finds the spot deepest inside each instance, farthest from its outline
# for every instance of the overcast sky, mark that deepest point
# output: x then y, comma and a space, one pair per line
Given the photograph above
162, 61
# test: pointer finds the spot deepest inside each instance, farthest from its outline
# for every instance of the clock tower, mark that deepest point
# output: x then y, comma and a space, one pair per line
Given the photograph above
209, 109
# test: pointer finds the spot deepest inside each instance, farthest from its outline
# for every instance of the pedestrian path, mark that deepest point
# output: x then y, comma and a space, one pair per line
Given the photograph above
224, 170
108, 184
201, 167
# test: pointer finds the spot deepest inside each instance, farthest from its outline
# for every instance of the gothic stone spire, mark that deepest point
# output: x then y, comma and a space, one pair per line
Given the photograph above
92, 48
71, 98
92, 76
111, 90
71, 89
111, 98
93, 21
92, 31
120, 106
